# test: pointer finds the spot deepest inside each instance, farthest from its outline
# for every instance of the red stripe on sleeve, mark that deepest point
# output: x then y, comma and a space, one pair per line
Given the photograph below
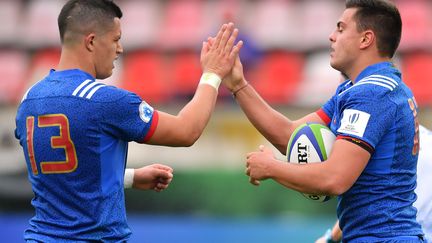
321, 113
153, 126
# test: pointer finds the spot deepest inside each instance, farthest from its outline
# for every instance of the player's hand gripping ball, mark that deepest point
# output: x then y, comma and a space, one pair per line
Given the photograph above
310, 143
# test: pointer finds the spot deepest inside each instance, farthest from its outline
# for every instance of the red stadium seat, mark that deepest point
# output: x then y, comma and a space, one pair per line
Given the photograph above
13, 67
185, 72
144, 74
42, 62
278, 75
417, 74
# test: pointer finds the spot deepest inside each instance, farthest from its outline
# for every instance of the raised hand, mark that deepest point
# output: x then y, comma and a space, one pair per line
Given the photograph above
219, 56
235, 79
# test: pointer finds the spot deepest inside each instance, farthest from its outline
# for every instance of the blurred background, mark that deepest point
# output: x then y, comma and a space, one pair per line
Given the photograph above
286, 58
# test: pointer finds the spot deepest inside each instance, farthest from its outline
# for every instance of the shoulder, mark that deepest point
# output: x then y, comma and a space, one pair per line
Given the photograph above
99, 92
373, 86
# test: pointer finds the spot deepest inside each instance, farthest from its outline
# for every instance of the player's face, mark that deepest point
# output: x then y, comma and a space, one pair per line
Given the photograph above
345, 41
108, 48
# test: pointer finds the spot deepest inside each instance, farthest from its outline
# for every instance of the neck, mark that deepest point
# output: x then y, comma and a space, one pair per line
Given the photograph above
75, 59
362, 64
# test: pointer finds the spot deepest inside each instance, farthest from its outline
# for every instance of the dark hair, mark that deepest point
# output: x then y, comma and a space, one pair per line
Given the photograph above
383, 18
80, 16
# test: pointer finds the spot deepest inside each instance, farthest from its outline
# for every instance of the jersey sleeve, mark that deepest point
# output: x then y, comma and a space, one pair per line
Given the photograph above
365, 118
129, 118
326, 110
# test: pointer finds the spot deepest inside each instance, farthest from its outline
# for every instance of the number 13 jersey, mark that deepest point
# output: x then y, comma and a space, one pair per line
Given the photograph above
75, 132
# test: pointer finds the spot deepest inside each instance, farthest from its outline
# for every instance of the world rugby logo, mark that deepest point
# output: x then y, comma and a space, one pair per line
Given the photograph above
353, 118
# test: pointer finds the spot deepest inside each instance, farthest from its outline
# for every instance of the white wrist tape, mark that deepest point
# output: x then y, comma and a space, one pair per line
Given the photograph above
128, 178
211, 79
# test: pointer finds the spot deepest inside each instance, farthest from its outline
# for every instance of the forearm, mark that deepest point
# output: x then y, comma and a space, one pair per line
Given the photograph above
332, 177
320, 178
274, 126
183, 129
196, 114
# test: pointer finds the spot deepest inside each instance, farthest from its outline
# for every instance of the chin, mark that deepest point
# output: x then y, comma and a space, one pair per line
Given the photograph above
335, 66
104, 76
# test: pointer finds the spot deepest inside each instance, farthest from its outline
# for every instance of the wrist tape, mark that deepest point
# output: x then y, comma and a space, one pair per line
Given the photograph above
128, 178
211, 79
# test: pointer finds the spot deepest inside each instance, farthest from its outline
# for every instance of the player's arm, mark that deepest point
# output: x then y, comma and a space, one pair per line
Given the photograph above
273, 125
331, 177
187, 126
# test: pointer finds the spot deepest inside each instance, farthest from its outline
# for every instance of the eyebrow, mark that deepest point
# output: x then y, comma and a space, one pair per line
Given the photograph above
340, 24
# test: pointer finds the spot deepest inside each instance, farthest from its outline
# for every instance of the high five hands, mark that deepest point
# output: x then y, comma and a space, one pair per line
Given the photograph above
219, 53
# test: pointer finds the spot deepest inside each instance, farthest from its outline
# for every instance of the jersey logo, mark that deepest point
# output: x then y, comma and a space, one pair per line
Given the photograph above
354, 122
145, 111
87, 88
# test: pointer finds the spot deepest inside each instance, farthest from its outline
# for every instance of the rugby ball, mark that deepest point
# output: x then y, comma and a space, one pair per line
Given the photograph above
310, 143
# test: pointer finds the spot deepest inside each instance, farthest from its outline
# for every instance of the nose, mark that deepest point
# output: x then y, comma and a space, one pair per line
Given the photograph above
332, 37
119, 48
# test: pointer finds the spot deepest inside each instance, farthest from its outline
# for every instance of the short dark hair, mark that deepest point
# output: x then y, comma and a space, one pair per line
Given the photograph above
86, 15
383, 18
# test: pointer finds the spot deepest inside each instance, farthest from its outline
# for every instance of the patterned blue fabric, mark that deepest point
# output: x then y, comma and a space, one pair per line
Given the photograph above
82, 128
379, 111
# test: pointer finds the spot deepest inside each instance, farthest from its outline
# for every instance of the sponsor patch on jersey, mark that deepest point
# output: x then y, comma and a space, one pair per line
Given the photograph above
354, 122
145, 111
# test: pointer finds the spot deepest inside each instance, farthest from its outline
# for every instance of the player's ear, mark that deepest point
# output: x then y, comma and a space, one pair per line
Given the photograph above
368, 37
89, 41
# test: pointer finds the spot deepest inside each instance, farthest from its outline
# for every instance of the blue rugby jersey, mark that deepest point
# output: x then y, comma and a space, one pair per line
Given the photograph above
378, 113
75, 132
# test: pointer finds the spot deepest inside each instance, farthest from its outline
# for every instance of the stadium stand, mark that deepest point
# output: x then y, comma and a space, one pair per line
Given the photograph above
266, 25
313, 12
173, 30
278, 75
41, 62
143, 20
319, 82
185, 70
10, 17
187, 14
13, 67
417, 22
144, 73
38, 30
416, 68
